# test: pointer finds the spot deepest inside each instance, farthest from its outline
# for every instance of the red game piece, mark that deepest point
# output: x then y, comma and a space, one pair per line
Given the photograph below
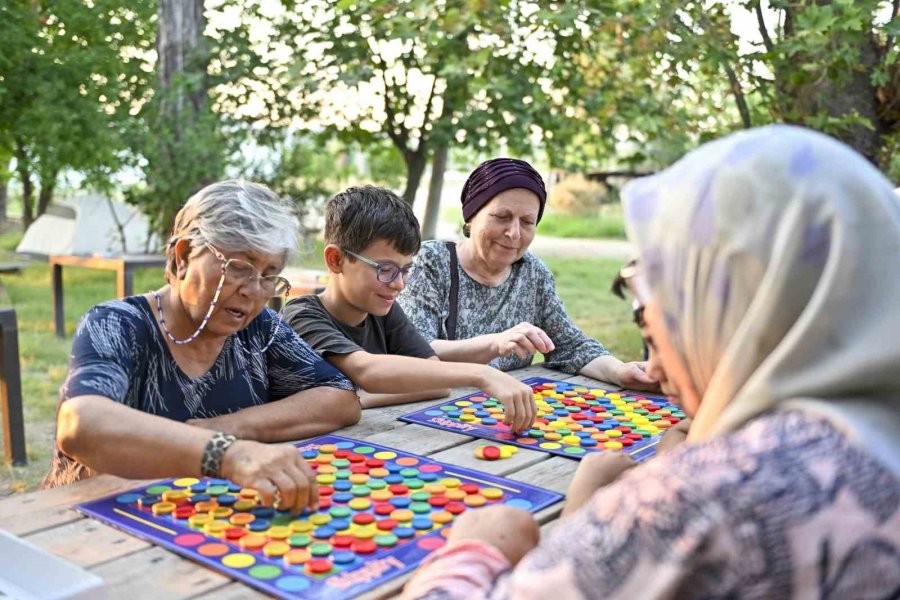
342, 541
374, 463
438, 501
324, 503
384, 508
184, 511
489, 453
325, 490
386, 524
469, 488
363, 518
235, 533
356, 458
341, 454
398, 489
455, 508
364, 546
318, 565
359, 468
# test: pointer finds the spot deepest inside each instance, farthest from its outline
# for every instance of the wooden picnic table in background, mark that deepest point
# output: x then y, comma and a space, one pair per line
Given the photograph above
134, 568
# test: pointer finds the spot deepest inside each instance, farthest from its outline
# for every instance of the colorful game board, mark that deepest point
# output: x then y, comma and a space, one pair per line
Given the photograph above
381, 511
572, 420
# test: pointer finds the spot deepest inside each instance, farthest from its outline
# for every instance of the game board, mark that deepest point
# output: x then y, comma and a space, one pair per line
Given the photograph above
381, 511
572, 420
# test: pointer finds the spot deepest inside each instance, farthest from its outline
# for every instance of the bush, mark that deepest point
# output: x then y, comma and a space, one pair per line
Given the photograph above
577, 195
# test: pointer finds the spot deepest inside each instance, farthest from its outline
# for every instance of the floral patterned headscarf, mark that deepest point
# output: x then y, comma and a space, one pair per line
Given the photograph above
774, 256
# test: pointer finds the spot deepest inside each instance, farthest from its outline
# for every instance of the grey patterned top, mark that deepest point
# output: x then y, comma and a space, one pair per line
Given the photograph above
528, 294
119, 352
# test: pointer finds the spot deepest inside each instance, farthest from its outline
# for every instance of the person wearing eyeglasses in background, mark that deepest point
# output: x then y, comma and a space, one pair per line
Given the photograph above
188, 380
371, 238
768, 279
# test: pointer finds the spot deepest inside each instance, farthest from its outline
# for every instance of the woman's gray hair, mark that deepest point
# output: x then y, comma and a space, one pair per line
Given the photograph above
235, 215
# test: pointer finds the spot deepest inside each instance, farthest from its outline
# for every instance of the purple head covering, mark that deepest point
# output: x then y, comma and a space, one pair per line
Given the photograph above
497, 175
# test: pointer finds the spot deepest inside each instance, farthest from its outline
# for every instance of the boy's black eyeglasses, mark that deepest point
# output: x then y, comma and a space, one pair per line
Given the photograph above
620, 285
386, 272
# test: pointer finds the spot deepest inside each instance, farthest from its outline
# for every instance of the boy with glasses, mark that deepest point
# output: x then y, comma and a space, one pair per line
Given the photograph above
371, 238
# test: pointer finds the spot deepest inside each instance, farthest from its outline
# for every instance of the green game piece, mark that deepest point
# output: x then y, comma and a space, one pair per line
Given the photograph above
536, 433
376, 484
409, 473
420, 507
217, 490
420, 497
573, 450
364, 449
285, 519
563, 431
448, 408
320, 549
342, 474
265, 572
489, 403
340, 463
653, 417
157, 490
299, 540
414, 484
339, 512
360, 491
640, 411
386, 539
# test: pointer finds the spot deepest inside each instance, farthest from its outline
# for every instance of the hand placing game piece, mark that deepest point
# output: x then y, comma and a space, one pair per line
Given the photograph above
595, 472
517, 398
523, 340
513, 531
274, 471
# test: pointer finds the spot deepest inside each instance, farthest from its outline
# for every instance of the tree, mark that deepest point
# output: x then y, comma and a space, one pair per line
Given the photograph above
70, 75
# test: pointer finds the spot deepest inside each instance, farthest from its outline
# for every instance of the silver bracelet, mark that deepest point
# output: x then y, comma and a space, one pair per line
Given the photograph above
211, 463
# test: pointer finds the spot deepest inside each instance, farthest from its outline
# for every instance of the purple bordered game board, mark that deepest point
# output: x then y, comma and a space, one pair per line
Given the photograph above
573, 420
381, 512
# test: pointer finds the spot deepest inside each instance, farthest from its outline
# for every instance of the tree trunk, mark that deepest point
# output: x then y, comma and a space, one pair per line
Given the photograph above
181, 49
27, 185
435, 187
45, 195
415, 166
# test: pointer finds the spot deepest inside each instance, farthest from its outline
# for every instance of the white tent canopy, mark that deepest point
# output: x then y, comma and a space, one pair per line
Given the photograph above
87, 225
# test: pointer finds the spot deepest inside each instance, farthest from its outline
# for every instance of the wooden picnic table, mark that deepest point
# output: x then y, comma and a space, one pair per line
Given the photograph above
134, 568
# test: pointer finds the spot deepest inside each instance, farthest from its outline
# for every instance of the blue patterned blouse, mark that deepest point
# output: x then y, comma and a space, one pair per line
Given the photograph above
120, 353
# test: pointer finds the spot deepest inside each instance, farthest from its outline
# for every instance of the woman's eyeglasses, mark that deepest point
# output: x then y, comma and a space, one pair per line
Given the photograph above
239, 272
386, 272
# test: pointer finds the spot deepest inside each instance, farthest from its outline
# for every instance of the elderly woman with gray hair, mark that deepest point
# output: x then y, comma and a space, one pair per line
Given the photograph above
189, 379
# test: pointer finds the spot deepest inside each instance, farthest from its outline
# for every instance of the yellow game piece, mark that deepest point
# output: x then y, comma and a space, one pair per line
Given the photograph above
402, 515
386, 455
569, 394
441, 517
469, 410
479, 452
244, 505
204, 507
455, 494
550, 386
492, 493
276, 549
251, 541
186, 482
550, 445
613, 445
381, 495
163, 508
248, 493
239, 561
379, 473
325, 458
358, 478
511, 448
572, 440
366, 532
474, 500
301, 526
575, 427
451, 482
241, 519
505, 453
221, 512
557, 425
613, 433
463, 403
280, 532
326, 469
360, 503
174, 495
298, 556
435, 488
216, 528
319, 519
467, 418
327, 449
199, 520
325, 479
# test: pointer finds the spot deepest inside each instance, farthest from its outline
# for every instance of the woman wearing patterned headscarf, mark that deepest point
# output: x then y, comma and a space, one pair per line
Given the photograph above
487, 299
770, 284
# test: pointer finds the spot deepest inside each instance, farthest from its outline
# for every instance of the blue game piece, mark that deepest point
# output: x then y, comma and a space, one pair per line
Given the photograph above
455, 414
588, 441
400, 501
343, 557
263, 512
148, 501
309, 454
128, 498
489, 421
339, 524
394, 467
404, 532
342, 497
324, 532
394, 478
198, 488
342, 486
583, 434
586, 423
344, 445
234, 488
482, 414
199, 498
224, 482
422, 523
259, 525
561, 412
227, 499
427, 477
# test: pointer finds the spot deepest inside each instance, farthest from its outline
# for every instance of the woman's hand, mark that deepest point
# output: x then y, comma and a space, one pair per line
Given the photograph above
595, 471
517, 398
522, 340
634, 376
272, 470
674, 437
512, 531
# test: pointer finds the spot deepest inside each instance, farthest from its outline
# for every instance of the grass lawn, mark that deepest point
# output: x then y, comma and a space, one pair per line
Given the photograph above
606, 223
582, 283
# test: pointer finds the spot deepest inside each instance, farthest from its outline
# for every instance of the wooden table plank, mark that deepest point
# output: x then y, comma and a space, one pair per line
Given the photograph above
419, 439
232, 591
155, 574
464, 456
87, 542
555, 473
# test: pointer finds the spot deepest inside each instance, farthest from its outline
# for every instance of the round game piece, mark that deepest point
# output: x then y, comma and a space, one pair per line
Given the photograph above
327, 449
344, 557
420, 507
300, 540
456, 494
450, 482
386, 540
241, 519
438, 501
244, 505
319, 519
422, 523
263, 512
386, 524
147, 502
163, 508
365, 532
342, 541
252, 541
323, 533
381, 495
383, 508
492, 493
474, 500
491, 452
221, 512
217, 490
276, 549
469, 488
318, 565
216, 528
398, 489
259, 525
358, 478
402, 515
320, 549
405, 532
360, 503
280, 532
442, 517
198, 521
297, 557
184, 511
363, 518
400, 501
422, 496
364, 546
174, 496
234, 533
157, 490
186, 482
613, 445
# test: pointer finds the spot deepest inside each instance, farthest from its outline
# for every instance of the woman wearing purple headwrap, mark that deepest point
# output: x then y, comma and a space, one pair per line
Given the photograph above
487, 299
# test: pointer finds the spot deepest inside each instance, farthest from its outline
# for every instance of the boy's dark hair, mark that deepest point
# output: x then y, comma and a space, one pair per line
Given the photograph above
361, 215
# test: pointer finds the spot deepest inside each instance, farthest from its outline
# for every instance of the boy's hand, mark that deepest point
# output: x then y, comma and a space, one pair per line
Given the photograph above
522, 340
513, 531
517, 398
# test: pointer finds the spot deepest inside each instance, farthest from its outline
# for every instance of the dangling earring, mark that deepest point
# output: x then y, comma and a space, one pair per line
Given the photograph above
467, 230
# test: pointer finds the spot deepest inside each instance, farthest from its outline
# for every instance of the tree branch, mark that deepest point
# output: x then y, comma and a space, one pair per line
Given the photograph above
738, 95
894, 15
767, 41
396, 131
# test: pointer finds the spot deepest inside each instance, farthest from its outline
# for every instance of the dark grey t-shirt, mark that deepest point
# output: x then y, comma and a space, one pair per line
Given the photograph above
390, 334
